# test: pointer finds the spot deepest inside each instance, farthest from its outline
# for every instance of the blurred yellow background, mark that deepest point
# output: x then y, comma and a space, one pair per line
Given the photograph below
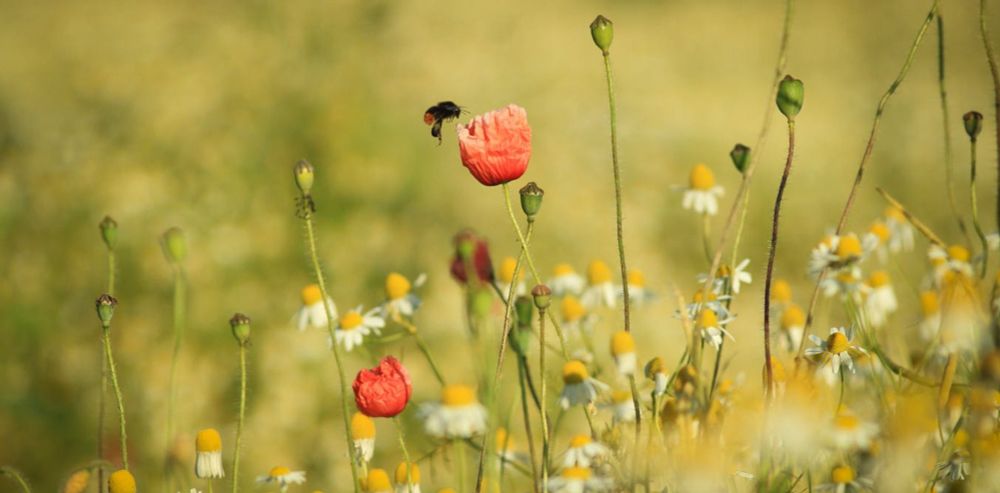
191, 114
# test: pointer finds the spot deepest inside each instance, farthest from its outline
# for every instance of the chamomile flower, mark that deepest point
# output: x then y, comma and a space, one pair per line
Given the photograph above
638, 293
792, 323
879, 235
377, 481
506, 448
702, 194
712, 328
621, 406
712, 302
283, 476
835, 351
600, 290
956, 468
404, 485
843, 479
949, 262
656, 370
506, 277
623, 351
846, 283
900, 230
457, 415
583, 451
579, 387
579, 480
839, 252
849, 432
575, 316
734, 277
354, 326
930, 311
565, 281
208, 454
363, 437
781, 293
399, 296
880, 301
313, 313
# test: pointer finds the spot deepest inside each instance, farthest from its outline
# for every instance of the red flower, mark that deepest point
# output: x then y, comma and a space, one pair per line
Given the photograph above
496, 147
468, 243
383, 391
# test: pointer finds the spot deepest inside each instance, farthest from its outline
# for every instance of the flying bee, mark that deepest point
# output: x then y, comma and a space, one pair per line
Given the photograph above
438, 114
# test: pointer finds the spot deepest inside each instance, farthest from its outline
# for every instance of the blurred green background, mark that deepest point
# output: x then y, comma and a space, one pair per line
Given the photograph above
191, 114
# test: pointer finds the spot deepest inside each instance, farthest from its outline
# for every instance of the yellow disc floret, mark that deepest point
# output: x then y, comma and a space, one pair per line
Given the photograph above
311, 294
777, 370
654, 366
121, 481
279, 471
846, 422
401, 474
572, 309
577, 473
620, 396
636, 278
837, 343
579, 440
781, 291
793, 316
622, 343
878, 279
880, 230
929, 304
457, 395
362, 427
377, 481
574, 371
598, 273
507, 267
503, 440
351, 320
701, 177
959, 253
842, 475
895, 213
396, 286
848, 246
707, 318
563, 270
208, 440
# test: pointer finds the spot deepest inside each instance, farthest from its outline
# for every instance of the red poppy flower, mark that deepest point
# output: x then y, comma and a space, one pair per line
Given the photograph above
383, 391
496, 147
468, 243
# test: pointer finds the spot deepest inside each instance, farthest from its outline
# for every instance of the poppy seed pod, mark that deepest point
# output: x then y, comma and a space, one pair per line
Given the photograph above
240, 325
791, 92
383, 391
973, 122
603, 32
740, 156
542, 296
109, 232
174, 245
531, 200
106, 308
304, 176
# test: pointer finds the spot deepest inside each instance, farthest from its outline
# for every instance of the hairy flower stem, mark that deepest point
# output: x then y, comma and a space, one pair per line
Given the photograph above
975, 208
331, 328
946, 128
527, 426
16, 476
869, 147
543, 408
406, 453
241, 418
995, 73
102, 400
768, 372
618, 187
179, 314
106, 334
638, 430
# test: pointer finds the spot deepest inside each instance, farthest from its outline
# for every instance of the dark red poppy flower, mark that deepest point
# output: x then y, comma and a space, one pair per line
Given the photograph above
468, 245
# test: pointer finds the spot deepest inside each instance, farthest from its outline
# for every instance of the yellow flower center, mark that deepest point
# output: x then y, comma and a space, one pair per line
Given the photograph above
577, 473
503, 440
961, 438
878, 279
701, 177
598, 273
655, 365
311, 294
847, 277
401, 473
457, 395
279, 471
846, 422
929, 303
895, 213
842, 475
396, 286
572, 309
699, 297
880, 230
848, 246
377, 481
958, 252
507, 267
777, 370
793, 316
622, 343
620, 396
362, 427
827, 241
563, 270
351, 320
574, 371
707, 318
579, 441
208, 440
121, 482
636, 278
837, 343
781, 291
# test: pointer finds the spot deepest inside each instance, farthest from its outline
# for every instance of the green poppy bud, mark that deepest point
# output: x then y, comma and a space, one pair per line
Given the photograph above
790, 95
531, 200
109, 232
106, 308
304, 176
520, 339
542, 295
603, 31
973, 121
741, 157
523, 308
240, 325
174, 245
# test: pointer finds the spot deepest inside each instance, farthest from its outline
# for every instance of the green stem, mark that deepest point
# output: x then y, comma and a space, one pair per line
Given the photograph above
995, 74
406, 453
638, 429
618, 187
102, 400
118, 393
590, 422
180, 310
321, 281
242, 417
543, 405
460, 450
16, 476
975, 209
527, 427
430, 359
946, 120
706, 240
840, 400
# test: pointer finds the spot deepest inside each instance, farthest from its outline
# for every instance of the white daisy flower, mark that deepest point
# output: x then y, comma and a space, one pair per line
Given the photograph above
839, 252
313, 313
579, 480
879, 235
283, 476
399, 298
702, 194
208, 454
835, 351
623, 352
880, 299
993, 241
792, 323
956, 468
404, 485
377, 481
735, 277
712, 328
621, 406
843, 479
575, 317
930, 321
638, 294
845, 282
600, 290
363, 437
712, 302
457, 415
656, 370
354, 327
578, 387
949, 261
565, 281
900, 230
848, 432
505, 447
505, 276
583, 451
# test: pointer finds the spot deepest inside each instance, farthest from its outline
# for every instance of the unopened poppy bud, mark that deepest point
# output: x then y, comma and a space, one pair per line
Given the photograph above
531, 200
524, 308
791, 92
542, 295
973, 121
240, 324
740, 156
174, 245
520, 339
109, 232
106, 308
480, 302
304, 176
603, 32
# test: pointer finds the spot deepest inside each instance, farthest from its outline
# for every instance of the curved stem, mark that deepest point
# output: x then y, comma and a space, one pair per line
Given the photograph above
543, 407
118, 394
768, 372
241, 418
975, 209
946, 129
180, 309
102, 400
995, 74
16, 476
406, 454
618, 187
527, 426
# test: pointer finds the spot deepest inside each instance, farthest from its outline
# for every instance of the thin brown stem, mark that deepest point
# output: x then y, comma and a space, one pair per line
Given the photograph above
991, 60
